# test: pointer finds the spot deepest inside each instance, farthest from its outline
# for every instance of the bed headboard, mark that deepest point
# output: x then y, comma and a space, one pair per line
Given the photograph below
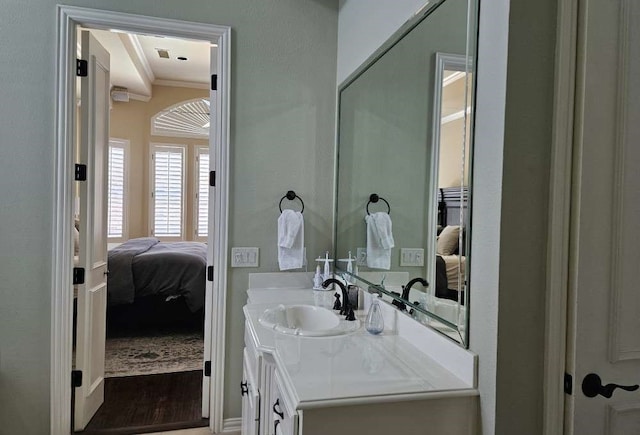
450, 201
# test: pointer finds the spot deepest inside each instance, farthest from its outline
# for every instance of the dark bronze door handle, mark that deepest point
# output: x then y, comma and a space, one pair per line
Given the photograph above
592, 386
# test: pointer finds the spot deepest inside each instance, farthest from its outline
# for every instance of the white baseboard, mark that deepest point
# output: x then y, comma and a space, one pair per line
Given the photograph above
232, 426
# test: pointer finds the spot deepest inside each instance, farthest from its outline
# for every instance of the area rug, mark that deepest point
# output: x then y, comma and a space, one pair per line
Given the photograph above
151, 354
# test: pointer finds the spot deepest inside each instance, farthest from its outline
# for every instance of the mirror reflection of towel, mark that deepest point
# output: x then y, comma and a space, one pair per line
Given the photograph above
290, 240
379, 240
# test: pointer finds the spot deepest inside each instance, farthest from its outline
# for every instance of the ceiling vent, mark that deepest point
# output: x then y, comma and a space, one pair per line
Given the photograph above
118, 93
163, 53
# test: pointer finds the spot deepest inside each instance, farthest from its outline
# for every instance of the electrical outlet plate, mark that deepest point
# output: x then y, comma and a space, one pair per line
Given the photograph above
245, 257
411, 257
361, 256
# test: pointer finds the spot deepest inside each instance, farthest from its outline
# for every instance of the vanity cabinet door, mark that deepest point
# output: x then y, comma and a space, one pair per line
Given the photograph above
285, 418
250, 400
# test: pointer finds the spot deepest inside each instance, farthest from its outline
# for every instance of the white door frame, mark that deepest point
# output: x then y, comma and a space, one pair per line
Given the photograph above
68, 18
558, 234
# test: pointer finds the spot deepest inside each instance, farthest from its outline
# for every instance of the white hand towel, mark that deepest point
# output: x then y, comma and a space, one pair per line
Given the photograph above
290, 240
379, 240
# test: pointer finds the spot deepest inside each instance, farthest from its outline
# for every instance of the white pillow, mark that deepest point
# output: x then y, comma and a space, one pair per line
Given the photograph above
447, 242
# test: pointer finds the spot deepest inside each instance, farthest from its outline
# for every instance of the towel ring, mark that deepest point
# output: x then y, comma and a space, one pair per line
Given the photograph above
291, 195
373, 198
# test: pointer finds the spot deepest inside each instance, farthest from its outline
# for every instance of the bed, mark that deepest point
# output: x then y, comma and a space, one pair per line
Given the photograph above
453, 215
450, 265
148, 277
450, 272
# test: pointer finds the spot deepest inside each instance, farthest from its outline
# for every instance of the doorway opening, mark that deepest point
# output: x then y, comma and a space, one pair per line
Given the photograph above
198, 221
154, 344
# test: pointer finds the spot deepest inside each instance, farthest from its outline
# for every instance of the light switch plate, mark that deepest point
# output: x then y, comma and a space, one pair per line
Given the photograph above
411, 257
245, 257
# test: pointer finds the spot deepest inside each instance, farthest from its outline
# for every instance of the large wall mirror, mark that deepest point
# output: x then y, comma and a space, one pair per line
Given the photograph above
404, 168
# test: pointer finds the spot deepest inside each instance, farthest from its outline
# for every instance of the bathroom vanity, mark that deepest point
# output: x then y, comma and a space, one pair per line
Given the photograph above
407, 380
404, 150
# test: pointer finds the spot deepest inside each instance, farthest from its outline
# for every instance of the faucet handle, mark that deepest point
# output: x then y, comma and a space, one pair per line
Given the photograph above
400, 305
384, 276
337, 305
350, 315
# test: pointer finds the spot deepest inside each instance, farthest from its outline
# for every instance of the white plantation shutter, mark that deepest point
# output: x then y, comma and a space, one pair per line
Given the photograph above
168, 190
116, 190
202, 196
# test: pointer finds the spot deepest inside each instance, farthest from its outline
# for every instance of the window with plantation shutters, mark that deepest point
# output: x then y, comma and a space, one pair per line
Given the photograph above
117, 189
167, 191
202, 192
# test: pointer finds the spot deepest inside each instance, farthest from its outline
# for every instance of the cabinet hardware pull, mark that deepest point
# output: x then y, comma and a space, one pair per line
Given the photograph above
592, 386
244, 389
280, 413
275, 427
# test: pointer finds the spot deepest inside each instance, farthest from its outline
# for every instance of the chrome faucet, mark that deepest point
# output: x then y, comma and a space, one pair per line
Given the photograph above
345, 308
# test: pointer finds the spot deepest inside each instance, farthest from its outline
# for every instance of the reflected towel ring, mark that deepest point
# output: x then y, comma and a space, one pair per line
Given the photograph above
291, 195
375, 198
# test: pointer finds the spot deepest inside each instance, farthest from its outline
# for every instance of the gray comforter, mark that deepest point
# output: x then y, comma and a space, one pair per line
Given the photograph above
143, 267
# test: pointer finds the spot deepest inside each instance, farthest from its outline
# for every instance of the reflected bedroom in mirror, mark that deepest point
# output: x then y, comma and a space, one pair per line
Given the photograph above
404, 168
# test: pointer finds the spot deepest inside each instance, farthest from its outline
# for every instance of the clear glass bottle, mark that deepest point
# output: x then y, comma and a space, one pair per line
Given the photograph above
374, 322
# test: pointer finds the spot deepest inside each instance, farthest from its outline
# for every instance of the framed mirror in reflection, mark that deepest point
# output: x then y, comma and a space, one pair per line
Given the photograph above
404, 168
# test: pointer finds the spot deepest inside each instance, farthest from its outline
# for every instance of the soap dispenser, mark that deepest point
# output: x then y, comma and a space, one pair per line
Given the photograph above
348, 276
327, 267
350, 262
374, 323
317, 279
322, 296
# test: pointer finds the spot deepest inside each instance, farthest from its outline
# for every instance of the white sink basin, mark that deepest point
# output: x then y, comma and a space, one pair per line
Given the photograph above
305, 320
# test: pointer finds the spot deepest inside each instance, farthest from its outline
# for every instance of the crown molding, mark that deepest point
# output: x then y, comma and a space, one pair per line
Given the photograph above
181, 84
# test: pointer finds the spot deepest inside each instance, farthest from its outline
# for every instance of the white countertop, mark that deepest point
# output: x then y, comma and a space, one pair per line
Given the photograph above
359, 367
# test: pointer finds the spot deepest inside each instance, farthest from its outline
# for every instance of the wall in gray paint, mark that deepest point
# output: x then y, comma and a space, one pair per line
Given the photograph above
511, 173
282, 136
362, 28
524, 215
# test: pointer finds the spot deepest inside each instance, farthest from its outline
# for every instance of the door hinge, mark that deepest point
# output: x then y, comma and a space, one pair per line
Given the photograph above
212, 178
82, 68
568, 383
214, 82
76, 378
209, 273
207, 368
78, 275
80, 173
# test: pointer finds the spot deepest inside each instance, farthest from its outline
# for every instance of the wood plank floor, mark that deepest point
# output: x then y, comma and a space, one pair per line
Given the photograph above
149, 403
